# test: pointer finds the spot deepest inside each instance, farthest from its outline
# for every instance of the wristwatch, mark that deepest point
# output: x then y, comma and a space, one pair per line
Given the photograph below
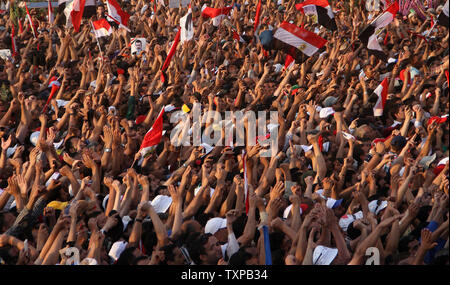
107, 150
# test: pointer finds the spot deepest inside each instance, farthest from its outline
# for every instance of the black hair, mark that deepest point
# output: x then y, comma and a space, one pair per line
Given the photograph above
403, 243
239, 225
6, 257
352, 232
168, 253
239, 258
202, 217
137, 259
149, 239
195, 244
126, 257
116, 232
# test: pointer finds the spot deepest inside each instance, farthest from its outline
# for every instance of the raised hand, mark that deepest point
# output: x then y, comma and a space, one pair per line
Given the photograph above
277, 190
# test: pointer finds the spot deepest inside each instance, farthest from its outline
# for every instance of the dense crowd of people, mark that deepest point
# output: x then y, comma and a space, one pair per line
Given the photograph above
344, 187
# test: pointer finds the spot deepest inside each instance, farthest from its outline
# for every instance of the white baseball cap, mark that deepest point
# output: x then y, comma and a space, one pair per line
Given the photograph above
215, 224
325, 112
161, 203
376, 206
116, 249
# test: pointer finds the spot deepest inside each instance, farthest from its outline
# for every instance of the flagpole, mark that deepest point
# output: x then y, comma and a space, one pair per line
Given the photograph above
96, 39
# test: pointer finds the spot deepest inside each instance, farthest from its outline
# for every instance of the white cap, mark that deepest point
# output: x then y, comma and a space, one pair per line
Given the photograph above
161, 203
34, 137
306, 148
324, 255
116, 249
346, 220
215, 224
325, 112
333, 203
375, 208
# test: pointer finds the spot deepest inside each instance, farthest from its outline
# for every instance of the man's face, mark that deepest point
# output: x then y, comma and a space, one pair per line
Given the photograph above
138, 46
213, 251
100, 10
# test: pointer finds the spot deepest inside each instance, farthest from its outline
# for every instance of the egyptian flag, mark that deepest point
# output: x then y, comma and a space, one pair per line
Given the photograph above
51, 16
172, 51
13, 41
381, 91
289, 62
320, 11
153, 136
116, 13
257, 16
369, 36
237, 36
187, 26
54, 84
443, 16
297, 41
217, 14
30, 20
74, 13
102, 28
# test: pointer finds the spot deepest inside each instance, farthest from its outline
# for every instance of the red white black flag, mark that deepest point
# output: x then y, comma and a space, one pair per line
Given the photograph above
320, 11
369, 36
297, 41
217, 14
102, 28
74, 13
30, 20
172, 51
153, 136
116, 13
